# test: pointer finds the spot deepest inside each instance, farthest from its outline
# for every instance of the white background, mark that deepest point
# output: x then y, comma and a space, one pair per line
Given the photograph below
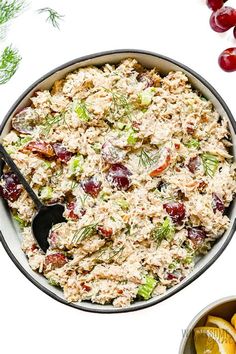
32, 322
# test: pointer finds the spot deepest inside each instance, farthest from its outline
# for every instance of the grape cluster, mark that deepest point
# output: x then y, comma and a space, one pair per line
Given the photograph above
222, 19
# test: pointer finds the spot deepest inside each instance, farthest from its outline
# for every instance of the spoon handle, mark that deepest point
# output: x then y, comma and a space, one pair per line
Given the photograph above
21, 178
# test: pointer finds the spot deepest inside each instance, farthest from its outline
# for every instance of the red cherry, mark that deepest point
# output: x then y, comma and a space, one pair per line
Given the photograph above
227, 60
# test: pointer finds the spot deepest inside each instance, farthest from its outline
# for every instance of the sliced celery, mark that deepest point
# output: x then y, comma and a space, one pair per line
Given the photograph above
123, 203
46, 193
145, 290
76, 165
147, 96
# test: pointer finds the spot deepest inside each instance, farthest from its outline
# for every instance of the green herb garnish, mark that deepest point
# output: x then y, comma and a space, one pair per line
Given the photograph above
53, 16
10, 10
9, 62
120, 102
51, 121
145, 290
82, 111
84, 233
164, 231
210, 164
193, 143
145, 159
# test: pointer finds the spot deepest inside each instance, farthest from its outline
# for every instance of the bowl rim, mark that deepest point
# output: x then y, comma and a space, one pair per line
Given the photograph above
144, 304
199, 315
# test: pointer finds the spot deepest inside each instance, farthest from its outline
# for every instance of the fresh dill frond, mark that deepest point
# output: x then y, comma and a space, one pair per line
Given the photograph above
51, 121
82, 112
210, 164
164, 231
53, 16
10, 10
84, 233
193, 143
83, 200
9, 62
120, 102
145, 159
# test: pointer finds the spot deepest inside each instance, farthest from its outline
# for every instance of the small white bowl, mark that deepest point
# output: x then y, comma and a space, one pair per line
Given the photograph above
10, 235
224, 308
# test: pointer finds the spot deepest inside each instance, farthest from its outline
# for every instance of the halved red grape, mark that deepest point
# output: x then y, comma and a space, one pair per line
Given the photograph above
215, 4
225, 17
62, 153
227, 60
111, 154
105, 232
91, 186
119, 176
171, 276
234, 32
40, 147
194, 163
214, 26
145, 78
217, 203
197, 235
24, 121
71, 207
56, 260
10, 188
176, 211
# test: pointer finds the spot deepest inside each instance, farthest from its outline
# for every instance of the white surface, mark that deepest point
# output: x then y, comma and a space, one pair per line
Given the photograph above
30, 320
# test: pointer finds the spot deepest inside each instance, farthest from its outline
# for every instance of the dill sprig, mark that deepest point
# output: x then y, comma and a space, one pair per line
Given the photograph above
146, 160
120, 102
53, 16
9, 62
51, 121
164, 231
10, 10
84, 233
210, 164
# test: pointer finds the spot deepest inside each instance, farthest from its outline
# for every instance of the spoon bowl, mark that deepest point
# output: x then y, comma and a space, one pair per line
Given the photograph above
44, 219
46, 216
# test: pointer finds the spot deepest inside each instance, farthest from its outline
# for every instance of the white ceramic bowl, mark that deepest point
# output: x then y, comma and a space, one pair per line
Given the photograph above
224, 308
10, 235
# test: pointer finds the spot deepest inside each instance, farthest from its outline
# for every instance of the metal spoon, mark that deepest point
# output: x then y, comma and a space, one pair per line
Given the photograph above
46, 216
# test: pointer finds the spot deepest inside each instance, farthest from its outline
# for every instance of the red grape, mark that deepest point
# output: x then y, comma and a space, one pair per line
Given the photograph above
10, 188
111, 154
193, 164
119, 176
197, 235
225, 17
62, 153
215, 4
217, 203
91, 186
214, 26
56, 260
176, 211
71, 207
105, 232
234, 32
227, 60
